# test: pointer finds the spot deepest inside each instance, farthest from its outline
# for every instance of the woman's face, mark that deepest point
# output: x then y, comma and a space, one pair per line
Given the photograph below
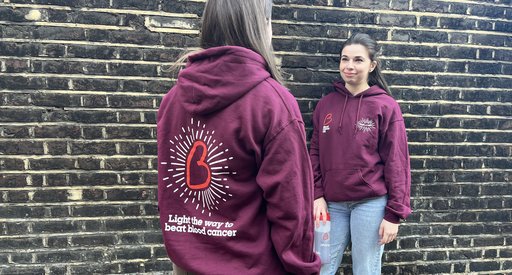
356, 65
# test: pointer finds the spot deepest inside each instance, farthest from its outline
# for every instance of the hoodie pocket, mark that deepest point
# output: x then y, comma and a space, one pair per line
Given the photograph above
346, 185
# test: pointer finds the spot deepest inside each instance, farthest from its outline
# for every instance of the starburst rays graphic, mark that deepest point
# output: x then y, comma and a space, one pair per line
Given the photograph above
194, 140
365, 125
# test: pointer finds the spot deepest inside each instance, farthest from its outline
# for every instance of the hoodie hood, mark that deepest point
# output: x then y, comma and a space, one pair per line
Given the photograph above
216, 77
339, 86
372, 91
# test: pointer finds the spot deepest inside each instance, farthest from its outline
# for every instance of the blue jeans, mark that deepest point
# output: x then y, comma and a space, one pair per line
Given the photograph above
358, 222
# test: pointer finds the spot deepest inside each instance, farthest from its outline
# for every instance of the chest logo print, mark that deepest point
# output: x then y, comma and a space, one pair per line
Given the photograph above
327, 121
365, 125
198, 168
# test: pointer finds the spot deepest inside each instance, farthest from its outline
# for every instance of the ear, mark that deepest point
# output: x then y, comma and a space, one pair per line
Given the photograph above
373, 64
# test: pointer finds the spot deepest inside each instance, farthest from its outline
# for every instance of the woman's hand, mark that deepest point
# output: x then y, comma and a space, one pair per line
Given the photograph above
320, 208
387, 232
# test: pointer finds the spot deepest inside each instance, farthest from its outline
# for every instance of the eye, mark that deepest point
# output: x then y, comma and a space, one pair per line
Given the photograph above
359, 60
344, 59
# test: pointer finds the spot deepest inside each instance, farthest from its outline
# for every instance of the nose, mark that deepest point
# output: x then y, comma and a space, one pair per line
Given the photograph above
350, 65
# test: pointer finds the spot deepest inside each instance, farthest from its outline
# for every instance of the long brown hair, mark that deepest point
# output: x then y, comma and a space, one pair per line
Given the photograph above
375, 77
241, 23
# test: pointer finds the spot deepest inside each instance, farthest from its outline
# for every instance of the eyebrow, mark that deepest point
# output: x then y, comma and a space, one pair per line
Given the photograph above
358, 56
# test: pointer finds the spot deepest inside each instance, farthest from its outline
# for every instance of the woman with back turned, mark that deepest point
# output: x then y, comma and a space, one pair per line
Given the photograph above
235, 185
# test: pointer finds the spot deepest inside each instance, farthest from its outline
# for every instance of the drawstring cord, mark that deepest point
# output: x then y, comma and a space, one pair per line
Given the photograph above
340, 127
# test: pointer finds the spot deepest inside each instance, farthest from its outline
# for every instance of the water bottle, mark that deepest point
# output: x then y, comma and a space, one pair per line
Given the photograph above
322, 244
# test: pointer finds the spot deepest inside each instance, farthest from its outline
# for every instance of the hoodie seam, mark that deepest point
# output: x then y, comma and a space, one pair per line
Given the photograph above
283, 101
280, 96
279, 132
248, 57
396, 121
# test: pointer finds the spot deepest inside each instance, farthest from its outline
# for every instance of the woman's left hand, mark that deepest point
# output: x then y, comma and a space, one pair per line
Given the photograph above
387, 232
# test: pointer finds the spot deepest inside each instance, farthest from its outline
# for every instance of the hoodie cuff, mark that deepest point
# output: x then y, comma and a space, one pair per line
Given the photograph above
392, 218
318, 192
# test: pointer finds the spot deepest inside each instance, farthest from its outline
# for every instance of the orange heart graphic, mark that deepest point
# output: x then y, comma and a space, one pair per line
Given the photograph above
200, 163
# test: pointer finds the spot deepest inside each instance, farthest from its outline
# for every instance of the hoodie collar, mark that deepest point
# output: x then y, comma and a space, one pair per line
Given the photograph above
340, 88
216, 77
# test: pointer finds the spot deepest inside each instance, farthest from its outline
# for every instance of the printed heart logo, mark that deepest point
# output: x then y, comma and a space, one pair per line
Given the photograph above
198, 171
328, 119
198, 168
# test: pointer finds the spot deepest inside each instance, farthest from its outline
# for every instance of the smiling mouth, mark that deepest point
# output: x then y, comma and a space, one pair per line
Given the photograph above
349, 75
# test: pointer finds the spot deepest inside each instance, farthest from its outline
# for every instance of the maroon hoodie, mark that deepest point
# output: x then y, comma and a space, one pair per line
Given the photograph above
235, 186
359, 149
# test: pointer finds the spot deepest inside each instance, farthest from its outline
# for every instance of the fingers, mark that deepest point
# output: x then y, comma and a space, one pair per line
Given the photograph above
317, 213
324, 215
387, 237
320, 209
320, 212
387, 232
390, 238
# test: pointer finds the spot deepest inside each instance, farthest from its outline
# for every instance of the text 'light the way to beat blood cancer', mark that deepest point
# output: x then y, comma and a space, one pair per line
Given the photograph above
198, 169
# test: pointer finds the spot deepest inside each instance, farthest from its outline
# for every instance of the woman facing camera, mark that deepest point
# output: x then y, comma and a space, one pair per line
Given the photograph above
360, 160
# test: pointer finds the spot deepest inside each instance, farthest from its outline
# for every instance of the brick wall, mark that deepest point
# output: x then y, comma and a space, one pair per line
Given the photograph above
80, 83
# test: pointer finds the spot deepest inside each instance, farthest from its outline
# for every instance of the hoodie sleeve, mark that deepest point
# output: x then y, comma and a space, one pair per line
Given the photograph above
397, 173
314, 154
286, 180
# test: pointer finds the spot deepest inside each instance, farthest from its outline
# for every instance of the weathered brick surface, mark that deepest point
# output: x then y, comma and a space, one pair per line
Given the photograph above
80, 83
